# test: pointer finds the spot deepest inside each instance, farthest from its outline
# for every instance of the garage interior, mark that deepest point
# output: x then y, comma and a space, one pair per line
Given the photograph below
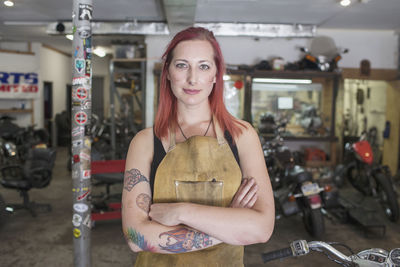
314, 78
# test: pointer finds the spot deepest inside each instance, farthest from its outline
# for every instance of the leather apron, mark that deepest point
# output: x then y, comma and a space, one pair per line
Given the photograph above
200, 170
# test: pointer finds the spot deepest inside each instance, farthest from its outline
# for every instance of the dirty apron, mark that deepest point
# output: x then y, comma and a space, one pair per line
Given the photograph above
200, 170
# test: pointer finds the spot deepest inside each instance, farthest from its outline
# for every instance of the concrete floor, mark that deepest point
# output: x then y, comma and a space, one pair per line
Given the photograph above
47, 239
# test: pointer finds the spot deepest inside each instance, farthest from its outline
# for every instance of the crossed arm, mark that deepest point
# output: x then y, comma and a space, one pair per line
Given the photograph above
184, 227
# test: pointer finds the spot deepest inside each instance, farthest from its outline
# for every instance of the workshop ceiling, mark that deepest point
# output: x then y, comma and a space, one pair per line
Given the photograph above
28, 20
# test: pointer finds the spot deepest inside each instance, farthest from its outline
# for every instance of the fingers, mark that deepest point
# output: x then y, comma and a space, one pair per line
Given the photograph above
252, 201
246, 196
251, 197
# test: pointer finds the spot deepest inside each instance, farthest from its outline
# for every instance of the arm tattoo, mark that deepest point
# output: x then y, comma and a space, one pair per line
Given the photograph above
138, 239
132, 178
183, 240
143, 201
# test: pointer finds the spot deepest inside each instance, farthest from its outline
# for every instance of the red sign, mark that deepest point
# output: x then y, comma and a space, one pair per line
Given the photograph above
81, 117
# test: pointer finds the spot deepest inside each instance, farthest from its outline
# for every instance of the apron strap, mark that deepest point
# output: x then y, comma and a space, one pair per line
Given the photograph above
218, 132
172, 142
220, 136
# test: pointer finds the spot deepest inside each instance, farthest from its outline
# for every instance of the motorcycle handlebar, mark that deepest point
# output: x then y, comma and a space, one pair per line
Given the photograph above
277, 254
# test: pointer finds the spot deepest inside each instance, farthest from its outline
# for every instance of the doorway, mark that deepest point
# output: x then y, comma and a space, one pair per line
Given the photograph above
48, 108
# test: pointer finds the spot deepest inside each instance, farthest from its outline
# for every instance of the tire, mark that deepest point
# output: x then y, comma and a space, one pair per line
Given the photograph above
358, 178
3, 212
314, 222
387, 196
339, 176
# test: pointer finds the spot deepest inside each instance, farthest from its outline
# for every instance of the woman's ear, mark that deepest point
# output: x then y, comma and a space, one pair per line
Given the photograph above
214, 79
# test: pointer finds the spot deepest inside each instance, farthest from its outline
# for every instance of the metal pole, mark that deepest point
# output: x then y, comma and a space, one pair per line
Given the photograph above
80, 130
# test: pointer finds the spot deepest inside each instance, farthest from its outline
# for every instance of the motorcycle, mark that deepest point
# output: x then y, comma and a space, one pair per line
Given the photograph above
371, 179
323, 55
366, 258
15, 141
8, 152
294, 188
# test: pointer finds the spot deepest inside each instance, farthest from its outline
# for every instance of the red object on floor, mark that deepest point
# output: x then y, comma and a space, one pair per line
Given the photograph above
108, 166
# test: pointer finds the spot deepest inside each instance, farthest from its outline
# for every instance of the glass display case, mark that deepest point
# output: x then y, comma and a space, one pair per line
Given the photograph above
295, 102
234, 94
302, 101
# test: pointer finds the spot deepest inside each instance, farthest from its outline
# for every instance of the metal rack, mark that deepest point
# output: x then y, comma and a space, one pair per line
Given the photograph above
131, 68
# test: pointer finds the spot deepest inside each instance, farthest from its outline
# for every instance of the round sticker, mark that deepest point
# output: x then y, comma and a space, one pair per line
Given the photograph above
80, 207
81, 117
77, 232
76, 220
81, 93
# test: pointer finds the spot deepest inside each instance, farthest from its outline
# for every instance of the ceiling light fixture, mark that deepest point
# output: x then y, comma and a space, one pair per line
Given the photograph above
345, 2
99, 51
69, 37
285, 81
8, 3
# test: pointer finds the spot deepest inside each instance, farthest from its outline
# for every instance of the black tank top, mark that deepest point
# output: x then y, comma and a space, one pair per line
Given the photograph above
159, 154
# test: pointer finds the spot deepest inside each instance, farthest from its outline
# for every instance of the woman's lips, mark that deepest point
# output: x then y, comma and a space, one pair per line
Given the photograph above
191, 91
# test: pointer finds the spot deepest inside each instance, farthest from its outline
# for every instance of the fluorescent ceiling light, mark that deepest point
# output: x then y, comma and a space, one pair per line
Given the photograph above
8, 3
226, 77
99, 51
70, 37
345, 2
286, 81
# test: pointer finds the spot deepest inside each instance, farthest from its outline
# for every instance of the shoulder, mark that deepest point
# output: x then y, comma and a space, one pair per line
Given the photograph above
141, 148
143, 139
248, 135
247, 130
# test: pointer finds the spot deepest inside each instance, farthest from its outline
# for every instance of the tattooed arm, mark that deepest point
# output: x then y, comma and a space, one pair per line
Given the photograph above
142, 233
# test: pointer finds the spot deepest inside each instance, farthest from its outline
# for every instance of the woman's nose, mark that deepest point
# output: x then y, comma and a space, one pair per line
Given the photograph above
192, 76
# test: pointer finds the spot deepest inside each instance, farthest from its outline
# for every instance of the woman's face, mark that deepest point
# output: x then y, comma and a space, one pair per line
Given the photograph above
192, 72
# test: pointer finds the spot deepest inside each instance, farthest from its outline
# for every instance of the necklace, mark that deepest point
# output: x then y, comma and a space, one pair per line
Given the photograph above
208, 127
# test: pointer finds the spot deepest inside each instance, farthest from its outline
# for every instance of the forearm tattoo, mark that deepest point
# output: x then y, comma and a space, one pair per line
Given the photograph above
143, 201
184, 240
138, 239
132, 178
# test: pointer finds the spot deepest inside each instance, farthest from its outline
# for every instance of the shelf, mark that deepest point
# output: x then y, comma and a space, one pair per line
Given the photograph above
303, 138
16, 110
293, 74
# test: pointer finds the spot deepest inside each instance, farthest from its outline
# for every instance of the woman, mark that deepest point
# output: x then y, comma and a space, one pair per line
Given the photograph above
191, 167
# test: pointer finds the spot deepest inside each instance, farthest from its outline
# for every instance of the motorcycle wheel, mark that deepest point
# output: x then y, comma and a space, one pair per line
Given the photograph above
358, 179
387, 197
314, 222
3, 212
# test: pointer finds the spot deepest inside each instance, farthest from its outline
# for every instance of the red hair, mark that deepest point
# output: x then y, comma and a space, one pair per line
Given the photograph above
167, 106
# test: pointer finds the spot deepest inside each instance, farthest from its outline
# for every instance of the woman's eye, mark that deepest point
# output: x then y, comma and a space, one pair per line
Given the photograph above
180, 65
204, 67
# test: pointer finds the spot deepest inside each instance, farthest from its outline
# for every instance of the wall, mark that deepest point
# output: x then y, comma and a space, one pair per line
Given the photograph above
57, 69
391, 144
23, 63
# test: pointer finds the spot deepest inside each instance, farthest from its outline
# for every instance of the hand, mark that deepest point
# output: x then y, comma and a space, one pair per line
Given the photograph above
165, 213
246, 196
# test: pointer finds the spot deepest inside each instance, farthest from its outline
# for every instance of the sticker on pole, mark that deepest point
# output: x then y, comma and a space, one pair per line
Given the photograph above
81, 118
77, 232
80, 207
85, 12
79, 64
76, 220
81, 93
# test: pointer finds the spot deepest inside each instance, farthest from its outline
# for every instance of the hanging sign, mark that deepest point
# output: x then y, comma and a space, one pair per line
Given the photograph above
24, 85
